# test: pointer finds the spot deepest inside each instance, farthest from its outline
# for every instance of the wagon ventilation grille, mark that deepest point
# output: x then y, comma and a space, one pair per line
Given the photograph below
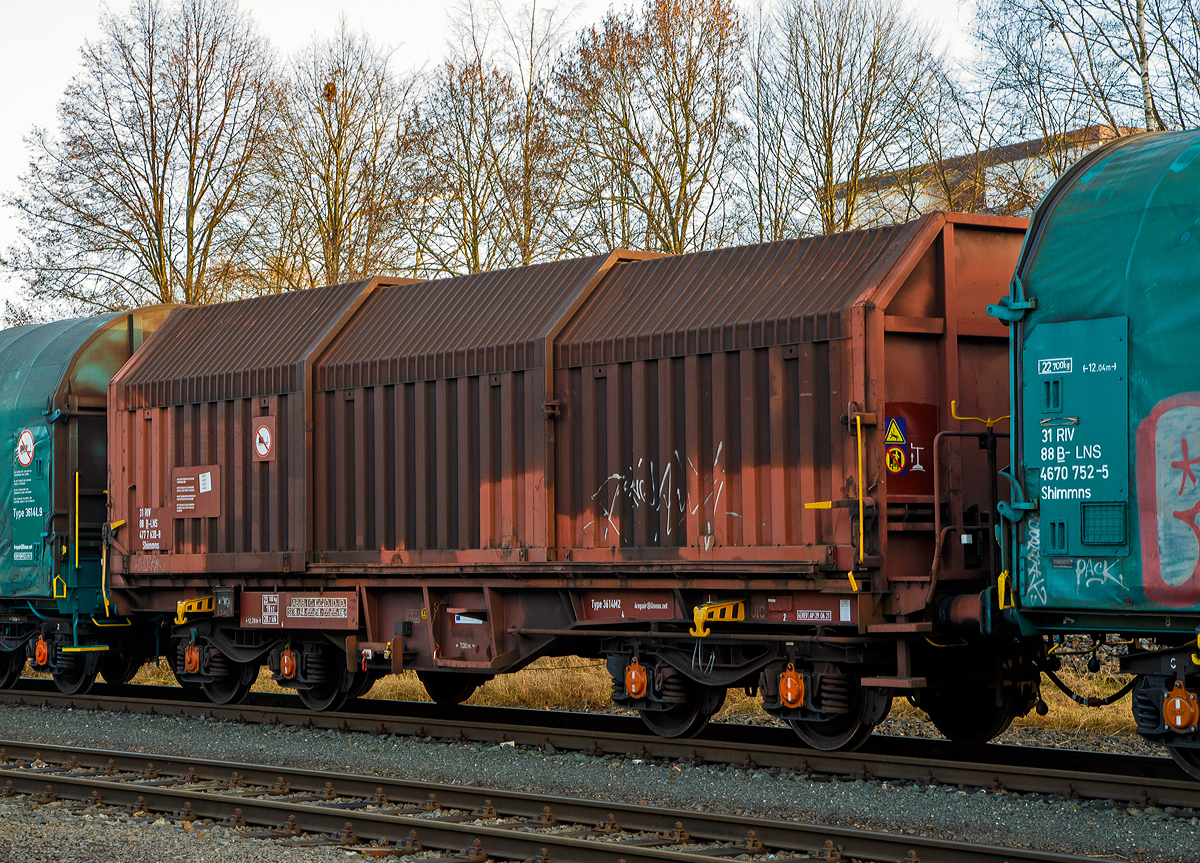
1103, 523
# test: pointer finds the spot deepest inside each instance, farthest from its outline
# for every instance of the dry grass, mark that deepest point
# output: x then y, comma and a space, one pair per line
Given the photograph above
1065, 714
551, 682
554, 682
159, 674
155, 674
572, 683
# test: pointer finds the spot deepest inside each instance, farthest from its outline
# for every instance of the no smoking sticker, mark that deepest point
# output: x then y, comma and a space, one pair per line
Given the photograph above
262, 441
262, 447
25, 448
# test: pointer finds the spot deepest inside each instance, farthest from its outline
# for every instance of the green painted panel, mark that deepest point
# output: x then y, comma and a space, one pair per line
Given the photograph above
1075, 424
1119, 238
33, 363
31, 450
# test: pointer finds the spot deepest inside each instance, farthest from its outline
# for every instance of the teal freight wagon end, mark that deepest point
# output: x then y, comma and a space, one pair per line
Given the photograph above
53, 415
1105, 515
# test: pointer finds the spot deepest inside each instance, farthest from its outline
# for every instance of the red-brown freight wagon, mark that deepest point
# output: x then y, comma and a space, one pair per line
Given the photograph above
717, 469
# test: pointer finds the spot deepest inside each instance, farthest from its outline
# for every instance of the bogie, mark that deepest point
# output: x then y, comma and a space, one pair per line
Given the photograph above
12, 663
448, 688
118, 666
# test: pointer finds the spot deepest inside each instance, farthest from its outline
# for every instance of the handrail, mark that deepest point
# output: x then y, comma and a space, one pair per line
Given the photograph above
988, 422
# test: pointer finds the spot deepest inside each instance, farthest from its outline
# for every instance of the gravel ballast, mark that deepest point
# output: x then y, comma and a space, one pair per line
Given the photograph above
1095, 828
54, 833
1018, 735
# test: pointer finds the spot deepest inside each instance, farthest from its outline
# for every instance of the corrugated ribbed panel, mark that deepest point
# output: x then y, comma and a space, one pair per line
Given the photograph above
468, 325
233, 350
730, 299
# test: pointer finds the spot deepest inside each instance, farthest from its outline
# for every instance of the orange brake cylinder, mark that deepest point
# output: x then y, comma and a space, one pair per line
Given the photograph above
636, 679
791, 687
287, 663
1180, 709
41, 651
191, 659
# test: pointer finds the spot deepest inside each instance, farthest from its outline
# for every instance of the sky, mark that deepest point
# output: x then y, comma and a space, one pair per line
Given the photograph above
40, 42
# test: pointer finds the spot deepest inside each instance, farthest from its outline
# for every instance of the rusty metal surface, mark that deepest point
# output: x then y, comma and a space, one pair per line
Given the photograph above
234, 350
694, 406
702, 442
429, 410
199, 397
703, 396
788, 292
471, 325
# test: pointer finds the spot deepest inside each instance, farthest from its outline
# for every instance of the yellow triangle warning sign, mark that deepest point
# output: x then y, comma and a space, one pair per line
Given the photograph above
894, 434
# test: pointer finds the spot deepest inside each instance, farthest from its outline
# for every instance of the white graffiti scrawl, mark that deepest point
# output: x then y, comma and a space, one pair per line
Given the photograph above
1035, 579
665, 491
1098, 572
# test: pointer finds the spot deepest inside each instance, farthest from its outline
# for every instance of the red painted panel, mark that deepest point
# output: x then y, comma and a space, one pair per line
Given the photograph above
912, 427
284, 610
628, 604
1167, 504
802, 607
155, 529
196, 491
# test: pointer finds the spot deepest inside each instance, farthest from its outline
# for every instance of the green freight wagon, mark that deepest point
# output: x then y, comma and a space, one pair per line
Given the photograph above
1105, 365
53, 418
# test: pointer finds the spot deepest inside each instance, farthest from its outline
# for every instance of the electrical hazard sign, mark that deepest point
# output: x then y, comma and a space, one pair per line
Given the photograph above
895, 441
908, 431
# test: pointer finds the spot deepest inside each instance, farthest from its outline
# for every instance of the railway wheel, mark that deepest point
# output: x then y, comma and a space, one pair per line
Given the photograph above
448, 688
362, 684
969, 718
688, 718
186, 685
848, 730
330, 683
349, 687
231, 680
117, 667
326, 696
12, 663
1188, 758
77, 675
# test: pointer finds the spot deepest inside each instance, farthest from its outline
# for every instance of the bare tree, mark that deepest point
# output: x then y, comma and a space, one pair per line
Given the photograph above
1126, 64
652, 95
856, 71
471, 101
340, 169
1040, 98
540, 150
129, 202
770, 163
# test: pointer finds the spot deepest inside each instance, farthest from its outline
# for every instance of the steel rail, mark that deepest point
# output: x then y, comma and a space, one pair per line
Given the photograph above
210, 789
1067, 773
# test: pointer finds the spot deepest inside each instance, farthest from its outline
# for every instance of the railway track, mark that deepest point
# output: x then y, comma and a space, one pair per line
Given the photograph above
382, 817
1141, 780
